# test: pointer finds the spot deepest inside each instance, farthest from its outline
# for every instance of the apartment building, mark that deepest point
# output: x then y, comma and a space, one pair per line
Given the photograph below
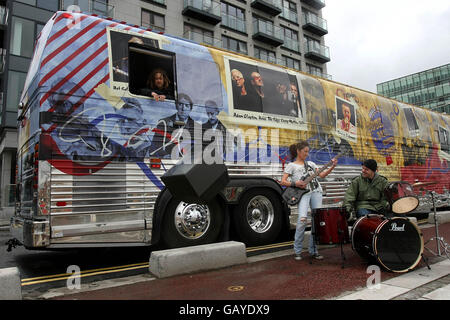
429, 89
286, 32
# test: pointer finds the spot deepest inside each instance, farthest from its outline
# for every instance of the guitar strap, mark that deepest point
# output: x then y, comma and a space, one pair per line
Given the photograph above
314, 184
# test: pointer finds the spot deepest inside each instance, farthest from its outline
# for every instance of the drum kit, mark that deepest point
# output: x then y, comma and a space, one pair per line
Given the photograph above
390, 240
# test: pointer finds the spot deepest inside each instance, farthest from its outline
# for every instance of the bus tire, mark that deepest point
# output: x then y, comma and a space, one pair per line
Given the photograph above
258, 218
189, 224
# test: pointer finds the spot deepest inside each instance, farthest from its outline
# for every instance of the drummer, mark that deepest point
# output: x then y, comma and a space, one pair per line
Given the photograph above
365, 195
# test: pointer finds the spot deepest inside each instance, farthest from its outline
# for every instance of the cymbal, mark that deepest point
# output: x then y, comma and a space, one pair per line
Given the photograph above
419, 184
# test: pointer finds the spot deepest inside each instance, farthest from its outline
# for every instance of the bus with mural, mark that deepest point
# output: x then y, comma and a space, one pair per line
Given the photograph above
108, 108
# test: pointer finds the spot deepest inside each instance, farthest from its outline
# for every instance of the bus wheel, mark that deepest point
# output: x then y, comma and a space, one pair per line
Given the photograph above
258, 217
188, 224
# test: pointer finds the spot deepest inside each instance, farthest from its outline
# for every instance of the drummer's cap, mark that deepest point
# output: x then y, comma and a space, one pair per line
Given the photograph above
371, 164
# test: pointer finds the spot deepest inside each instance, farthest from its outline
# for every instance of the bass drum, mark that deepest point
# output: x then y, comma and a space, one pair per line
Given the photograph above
396, 243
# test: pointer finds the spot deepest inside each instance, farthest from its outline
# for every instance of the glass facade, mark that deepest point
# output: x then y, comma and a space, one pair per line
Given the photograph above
429, 89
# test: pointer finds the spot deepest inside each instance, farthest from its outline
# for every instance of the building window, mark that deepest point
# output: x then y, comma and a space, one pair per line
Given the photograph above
99, 7
290, 62
30, 2
16, 81
198, 34
52, 5
234, 45
22, 37
290, 39
289, 11
313, 42
266, 55
317, 71
233, 17
152, 20
39, 28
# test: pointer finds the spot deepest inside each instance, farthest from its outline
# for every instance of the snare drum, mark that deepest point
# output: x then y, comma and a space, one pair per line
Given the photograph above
330, 226
395, 243
401, 197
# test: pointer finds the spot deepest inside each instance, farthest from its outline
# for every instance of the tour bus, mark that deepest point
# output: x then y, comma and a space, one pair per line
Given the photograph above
95, 138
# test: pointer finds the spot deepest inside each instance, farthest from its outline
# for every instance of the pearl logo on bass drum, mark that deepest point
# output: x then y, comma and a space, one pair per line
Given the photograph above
395, 228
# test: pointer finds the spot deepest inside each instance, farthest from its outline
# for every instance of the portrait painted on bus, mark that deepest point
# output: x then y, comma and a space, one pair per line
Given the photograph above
265, 89
346, 119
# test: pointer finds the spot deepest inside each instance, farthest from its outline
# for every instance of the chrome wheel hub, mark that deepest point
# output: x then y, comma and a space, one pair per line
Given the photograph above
192, 220
260, 214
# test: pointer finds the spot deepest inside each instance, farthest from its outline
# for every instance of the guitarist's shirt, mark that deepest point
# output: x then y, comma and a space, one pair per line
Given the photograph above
298, 172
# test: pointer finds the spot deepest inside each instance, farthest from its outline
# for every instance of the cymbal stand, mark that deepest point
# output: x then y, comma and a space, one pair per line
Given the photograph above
439, 240
436, 224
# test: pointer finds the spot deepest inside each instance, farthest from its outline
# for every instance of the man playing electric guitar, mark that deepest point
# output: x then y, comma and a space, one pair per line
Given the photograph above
292, 177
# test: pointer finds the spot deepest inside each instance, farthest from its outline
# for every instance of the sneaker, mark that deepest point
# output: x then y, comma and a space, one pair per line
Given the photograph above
298, 257
317, 256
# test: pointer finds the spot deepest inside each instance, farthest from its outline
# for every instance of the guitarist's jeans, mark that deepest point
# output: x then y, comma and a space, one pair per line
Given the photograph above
315, 200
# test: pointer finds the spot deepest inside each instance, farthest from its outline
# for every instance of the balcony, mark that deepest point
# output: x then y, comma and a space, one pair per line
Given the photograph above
205, 10
272, 7
315, 24
234, 23
266, 32
317, 52
316, 4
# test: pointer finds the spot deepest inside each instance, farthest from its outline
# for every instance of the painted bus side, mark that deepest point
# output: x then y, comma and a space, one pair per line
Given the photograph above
94, 142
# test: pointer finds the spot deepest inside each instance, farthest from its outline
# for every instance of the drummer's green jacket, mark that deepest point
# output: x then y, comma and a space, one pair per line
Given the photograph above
367, 194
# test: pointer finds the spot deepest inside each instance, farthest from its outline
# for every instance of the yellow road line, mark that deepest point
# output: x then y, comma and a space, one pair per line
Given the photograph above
83, 273
270, 246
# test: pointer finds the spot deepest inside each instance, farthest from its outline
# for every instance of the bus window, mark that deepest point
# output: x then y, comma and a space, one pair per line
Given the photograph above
119, 41
152, 72
444, 139
411, 122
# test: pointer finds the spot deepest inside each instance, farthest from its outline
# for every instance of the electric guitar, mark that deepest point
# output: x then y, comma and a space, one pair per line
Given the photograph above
293, 195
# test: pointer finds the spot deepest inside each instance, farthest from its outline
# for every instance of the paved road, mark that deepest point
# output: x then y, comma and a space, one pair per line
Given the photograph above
274, 279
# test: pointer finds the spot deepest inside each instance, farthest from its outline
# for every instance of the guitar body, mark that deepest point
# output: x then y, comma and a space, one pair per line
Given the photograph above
292, 195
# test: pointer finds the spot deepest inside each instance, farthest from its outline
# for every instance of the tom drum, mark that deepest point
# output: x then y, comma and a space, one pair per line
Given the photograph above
330, 226
401, 197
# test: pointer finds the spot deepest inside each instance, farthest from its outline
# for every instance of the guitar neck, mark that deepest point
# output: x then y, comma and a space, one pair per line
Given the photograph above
315, 174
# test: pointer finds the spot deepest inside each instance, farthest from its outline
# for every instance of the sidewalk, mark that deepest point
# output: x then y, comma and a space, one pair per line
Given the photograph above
420, 284
278, 276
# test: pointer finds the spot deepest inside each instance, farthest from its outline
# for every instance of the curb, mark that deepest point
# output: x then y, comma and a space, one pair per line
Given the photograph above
10, 286
167, 263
